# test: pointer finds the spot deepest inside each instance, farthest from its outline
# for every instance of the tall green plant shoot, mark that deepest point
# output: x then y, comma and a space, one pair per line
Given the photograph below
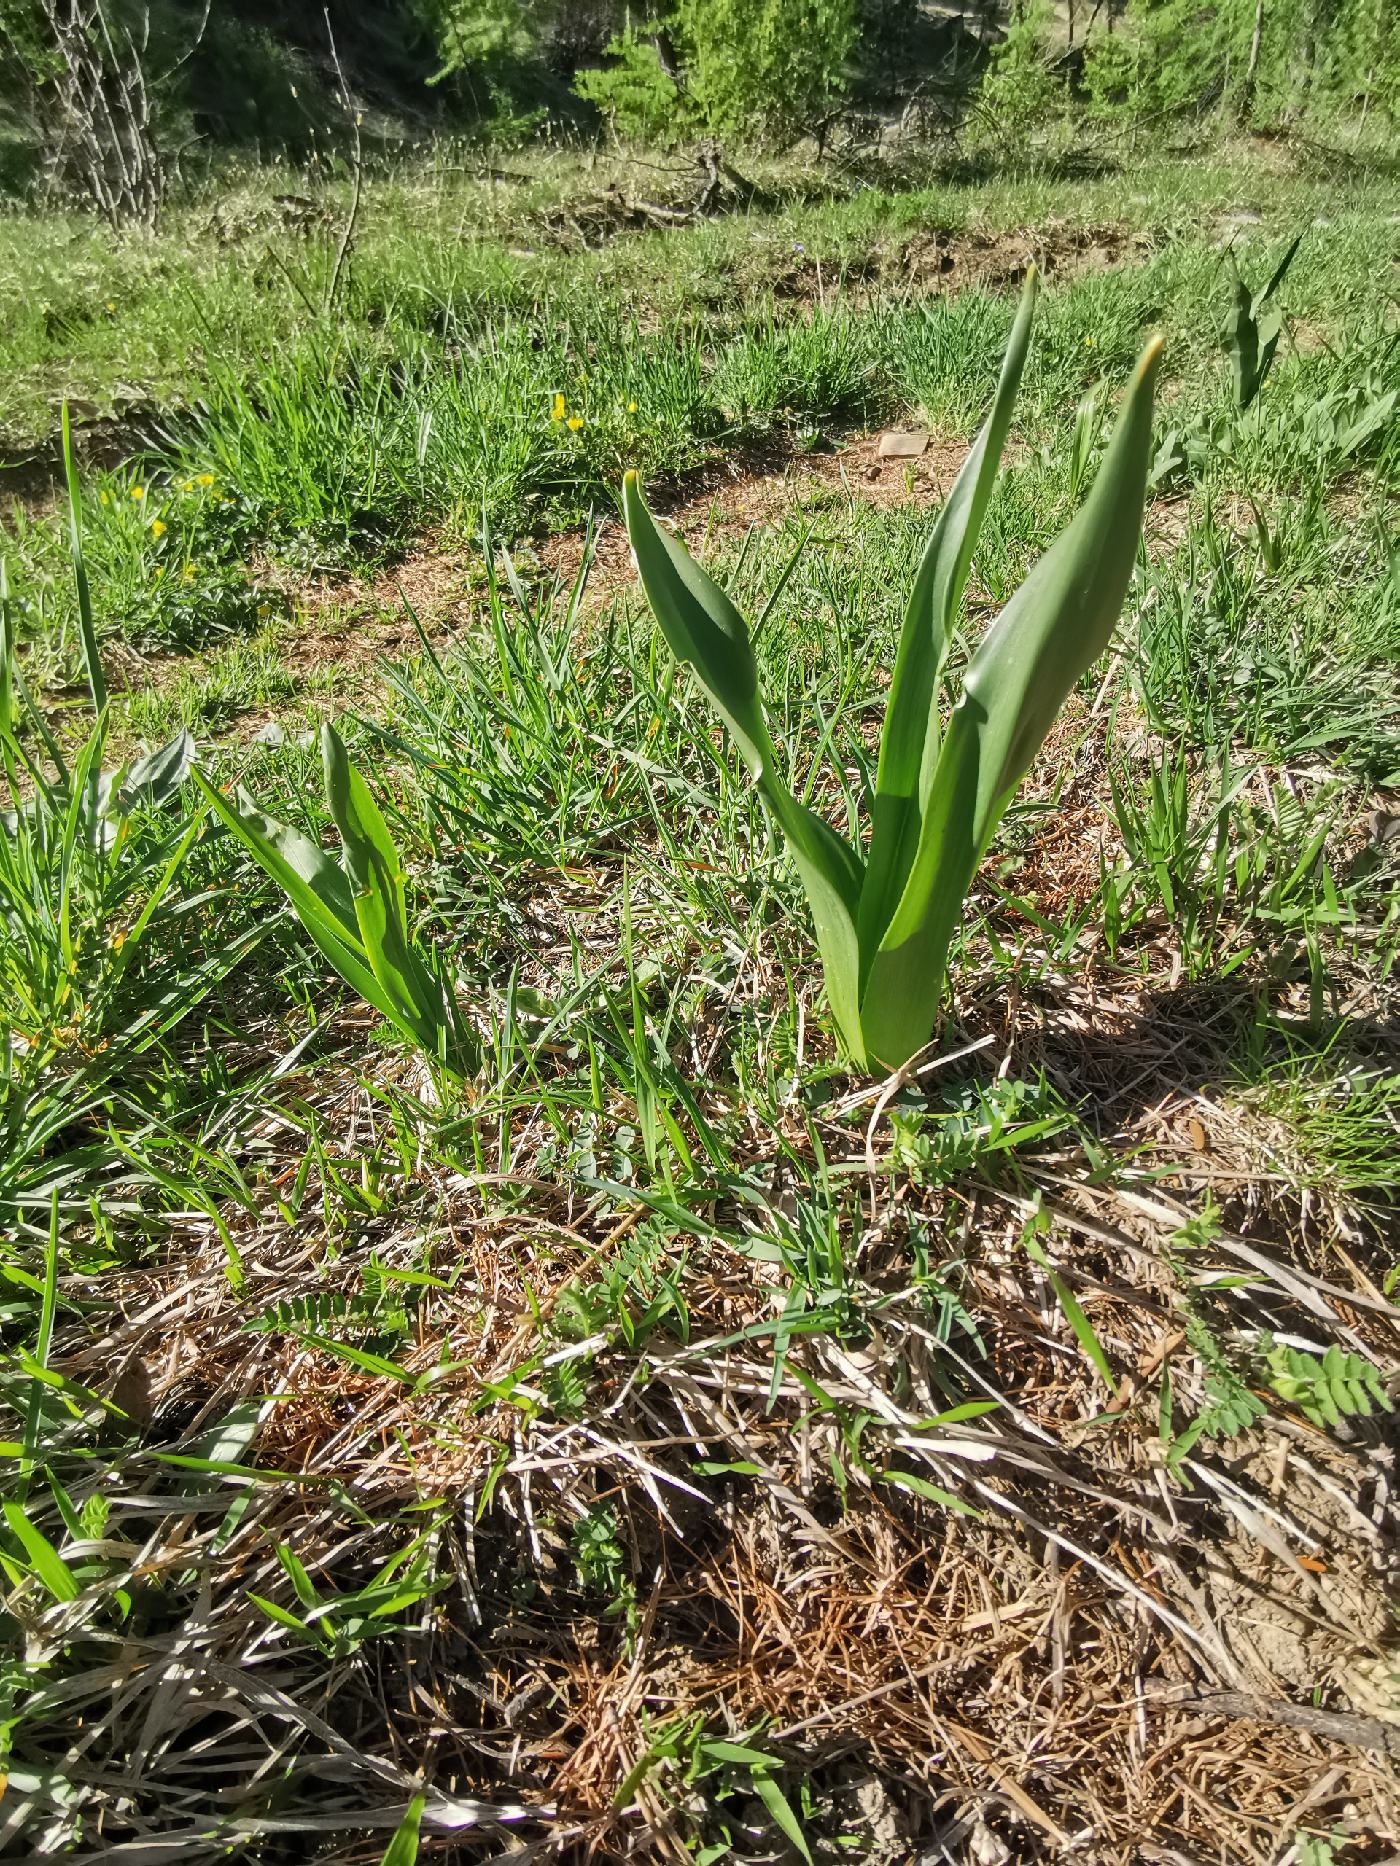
885, 916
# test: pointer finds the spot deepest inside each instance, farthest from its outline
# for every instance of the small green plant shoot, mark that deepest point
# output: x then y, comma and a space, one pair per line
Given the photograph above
884, 918
355, 909
1252, 330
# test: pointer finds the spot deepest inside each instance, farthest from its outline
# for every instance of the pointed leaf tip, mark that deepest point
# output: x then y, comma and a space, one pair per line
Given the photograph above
1151, 356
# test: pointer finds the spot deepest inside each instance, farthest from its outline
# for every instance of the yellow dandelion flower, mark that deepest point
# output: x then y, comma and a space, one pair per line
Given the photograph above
558, 408
205, 479
631, 408
104, 498
186, 485
138, 492
158, 528
110, 305
575, 423
118, 939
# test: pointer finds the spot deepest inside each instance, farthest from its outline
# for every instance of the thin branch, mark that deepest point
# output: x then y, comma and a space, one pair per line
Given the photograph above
357, 171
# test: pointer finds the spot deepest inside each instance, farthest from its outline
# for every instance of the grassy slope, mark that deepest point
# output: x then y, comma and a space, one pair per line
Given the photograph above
631, 1359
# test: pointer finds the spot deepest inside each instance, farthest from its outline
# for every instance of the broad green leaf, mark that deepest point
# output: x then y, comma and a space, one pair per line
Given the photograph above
701, 626
377, 887
402, 1850
1253, 328
321, 904
705, 630
157, 777
289, 1620
317, 872
1052, 630
831, 876
1242, 342
909, 742
44, 1558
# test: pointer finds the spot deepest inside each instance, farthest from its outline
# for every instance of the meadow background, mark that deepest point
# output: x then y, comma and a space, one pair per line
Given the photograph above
608, 1426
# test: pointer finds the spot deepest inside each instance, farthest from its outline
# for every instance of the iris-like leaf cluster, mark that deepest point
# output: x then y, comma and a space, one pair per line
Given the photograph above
885, 915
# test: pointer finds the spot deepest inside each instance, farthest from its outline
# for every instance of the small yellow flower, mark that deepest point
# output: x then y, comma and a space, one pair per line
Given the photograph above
575, 423
138, 492
205, 479
631, 408
1088, 343
104, 498
187, 574
118, 939
110, 305
558, 408
186, 485
158, 528
160, 572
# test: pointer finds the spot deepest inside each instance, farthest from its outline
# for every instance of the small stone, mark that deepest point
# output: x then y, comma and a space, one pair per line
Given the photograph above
270, 734
903, 445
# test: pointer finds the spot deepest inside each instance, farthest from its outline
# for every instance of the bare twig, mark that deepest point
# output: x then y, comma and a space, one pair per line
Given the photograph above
357, 171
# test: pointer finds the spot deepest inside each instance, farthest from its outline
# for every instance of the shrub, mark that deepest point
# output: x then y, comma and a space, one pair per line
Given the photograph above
636, 95
764, 67
1022, 92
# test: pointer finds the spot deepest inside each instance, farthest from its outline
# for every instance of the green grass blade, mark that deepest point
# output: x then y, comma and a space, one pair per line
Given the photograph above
48, 1305
91, 659
1052, 630
780, 1812
909, 743
9, 718
1083, 1328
